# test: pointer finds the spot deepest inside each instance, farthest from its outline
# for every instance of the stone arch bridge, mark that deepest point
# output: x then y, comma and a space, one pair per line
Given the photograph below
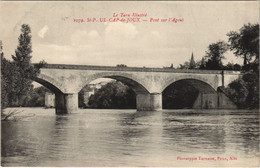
148, 83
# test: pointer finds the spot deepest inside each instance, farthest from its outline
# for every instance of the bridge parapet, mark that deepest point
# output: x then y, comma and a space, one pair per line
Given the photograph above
138, 69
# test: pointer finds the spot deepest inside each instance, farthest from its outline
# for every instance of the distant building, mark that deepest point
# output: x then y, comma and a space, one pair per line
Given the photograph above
96, 86
192, 62
92, 88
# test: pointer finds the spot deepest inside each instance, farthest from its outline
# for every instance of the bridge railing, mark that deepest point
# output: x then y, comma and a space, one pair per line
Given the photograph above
139, 69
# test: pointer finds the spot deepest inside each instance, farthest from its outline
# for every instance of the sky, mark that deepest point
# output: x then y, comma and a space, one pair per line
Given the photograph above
58, 39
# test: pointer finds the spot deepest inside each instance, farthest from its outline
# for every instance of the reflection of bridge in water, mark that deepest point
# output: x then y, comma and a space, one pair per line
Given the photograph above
148, 83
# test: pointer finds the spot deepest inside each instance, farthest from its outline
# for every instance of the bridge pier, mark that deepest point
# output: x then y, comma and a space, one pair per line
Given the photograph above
149, 102
66, 103
216, 100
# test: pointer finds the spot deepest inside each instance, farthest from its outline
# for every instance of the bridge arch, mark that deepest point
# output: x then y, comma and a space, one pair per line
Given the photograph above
134, 83
188, 93
64, 103
200, 83
49, 83
201, 86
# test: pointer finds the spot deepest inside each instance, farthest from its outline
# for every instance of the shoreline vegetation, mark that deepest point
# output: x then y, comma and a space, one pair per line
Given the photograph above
18, 74
15, 114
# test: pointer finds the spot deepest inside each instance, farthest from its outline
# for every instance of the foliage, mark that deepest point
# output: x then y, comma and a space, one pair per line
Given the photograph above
113, 95
252, 82
26, 72
198, 64
232, 66
22, 57
245, 43
37, 97
41, 64
202, 64
185, 65
215, 54
83, 99
34, 98
23, 52
237, 91
10, 84
254, 66
245, 92
6, 83
17, 75
170, 67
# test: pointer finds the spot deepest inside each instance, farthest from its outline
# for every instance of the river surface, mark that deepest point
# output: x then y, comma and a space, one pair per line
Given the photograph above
130, 138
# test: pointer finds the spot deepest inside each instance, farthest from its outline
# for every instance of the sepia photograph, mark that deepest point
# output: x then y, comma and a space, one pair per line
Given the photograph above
129, 83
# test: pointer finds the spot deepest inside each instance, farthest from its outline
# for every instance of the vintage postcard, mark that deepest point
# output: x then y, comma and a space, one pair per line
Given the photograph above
129, 83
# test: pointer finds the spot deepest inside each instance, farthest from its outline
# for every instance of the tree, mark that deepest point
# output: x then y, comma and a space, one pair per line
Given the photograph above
170, 67
229, 66
22, 57
17, 75
202, 64
26, 72
252, 81
185, 65
23, 52
237, 91
83, 97
245, 91
8, 79
237, 67
37, 97
215, 54
4, 85
232, 66
113, 95
245, 43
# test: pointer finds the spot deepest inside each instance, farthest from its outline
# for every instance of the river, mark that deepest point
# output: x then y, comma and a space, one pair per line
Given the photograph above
129, 138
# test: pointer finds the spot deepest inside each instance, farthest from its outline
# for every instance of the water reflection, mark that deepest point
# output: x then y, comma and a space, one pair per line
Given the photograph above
126, 137
193, 132
135, 124
26, 140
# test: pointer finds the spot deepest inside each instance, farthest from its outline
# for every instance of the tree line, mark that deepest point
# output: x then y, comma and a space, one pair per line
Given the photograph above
243, 43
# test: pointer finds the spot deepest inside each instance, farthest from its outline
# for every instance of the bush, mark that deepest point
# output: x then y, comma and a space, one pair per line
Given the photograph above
113, 95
